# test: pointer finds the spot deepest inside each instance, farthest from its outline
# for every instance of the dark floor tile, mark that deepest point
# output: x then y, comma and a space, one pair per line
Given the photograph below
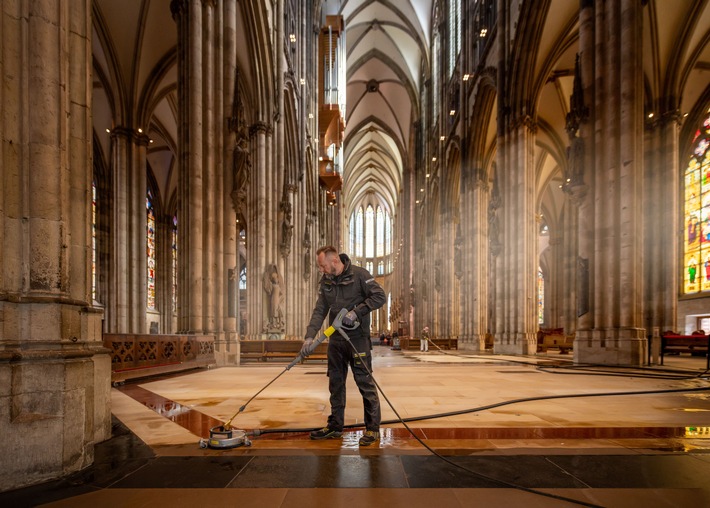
44, 493
486, 472
185, 472
636, 471
346, 471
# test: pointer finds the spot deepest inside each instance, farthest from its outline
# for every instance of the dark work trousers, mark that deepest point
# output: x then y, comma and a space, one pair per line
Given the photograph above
340, 356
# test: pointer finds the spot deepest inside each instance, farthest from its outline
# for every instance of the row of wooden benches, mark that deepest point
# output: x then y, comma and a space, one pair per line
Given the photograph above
695, 344
263, 350
407, 343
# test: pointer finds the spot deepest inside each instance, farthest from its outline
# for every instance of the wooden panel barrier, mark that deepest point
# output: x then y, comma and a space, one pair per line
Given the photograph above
140, 355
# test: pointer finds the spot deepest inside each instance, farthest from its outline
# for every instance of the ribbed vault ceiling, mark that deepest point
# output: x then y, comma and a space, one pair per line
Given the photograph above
387, 44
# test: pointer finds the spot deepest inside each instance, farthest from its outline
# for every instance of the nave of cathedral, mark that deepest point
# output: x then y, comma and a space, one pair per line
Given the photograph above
525, 177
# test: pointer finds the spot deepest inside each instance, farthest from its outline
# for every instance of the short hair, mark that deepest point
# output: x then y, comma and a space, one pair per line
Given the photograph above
327, 249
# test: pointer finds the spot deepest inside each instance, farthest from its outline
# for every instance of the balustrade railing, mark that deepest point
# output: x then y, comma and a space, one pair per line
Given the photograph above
139, 355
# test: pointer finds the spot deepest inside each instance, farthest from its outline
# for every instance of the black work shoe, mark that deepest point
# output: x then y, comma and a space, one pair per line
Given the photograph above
370, 437
326, 433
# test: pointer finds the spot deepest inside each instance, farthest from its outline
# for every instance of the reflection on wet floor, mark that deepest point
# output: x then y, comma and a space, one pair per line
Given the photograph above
200, 424
196, 422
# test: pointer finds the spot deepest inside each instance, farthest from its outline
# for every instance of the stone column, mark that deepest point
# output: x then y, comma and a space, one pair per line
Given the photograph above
613, 333
261, 241
517, 271
54, 372
227, 350
128, 236
474, 312
661, 210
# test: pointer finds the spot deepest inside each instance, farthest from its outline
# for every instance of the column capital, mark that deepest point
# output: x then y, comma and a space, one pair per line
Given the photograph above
526, 121
133, 135
260, 128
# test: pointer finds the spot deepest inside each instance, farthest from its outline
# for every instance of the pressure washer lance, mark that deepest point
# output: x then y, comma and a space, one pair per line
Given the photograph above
224, 436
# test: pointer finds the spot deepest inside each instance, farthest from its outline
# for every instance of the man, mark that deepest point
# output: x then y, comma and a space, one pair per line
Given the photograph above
346, 286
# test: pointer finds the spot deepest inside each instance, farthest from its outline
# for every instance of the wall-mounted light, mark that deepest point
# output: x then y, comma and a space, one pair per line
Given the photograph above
650, 115
466, 76
442, 138
310, 115
427, 175
108, 130
140, 131
292, 37
433, 159
483, 33
452, 112
303, 81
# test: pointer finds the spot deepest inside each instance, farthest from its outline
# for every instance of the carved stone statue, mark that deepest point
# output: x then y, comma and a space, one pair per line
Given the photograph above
241, 168
286, 228
274, 292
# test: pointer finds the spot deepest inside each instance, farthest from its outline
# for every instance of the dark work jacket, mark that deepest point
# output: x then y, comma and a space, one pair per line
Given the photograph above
354, 289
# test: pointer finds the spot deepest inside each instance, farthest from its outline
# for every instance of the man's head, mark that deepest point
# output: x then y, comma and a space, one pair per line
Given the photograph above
329, 260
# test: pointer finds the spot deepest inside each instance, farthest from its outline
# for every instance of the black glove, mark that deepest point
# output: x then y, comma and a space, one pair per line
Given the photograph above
350, 319
306, 348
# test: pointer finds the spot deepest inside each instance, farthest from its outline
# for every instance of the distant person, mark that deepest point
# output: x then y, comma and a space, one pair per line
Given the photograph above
424, 341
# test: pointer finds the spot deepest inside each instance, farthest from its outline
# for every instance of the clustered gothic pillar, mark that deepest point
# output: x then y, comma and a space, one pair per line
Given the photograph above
206, 219
474, 262
54, 372
517, 265
126, 313
662, 218
611, 331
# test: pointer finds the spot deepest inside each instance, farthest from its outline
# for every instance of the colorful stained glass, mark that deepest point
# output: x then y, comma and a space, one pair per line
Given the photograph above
540, 297
150, 248
174, 261
696, 234
93, 240
369, 232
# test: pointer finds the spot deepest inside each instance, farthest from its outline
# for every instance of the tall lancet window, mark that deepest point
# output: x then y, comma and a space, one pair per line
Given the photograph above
370, 232
540, 297
174, 252
150, 247
93, 240
696, 248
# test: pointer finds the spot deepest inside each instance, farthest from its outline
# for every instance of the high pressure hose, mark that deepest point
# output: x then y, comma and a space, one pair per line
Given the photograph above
337, 325
448, 461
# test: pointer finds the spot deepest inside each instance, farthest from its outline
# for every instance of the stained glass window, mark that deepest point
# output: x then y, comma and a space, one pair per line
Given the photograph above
371, 237
388, 234
369, 230
540, 297
93, 240
174, 260
454, 33
358, 233
696, 251
380, 232
150, 247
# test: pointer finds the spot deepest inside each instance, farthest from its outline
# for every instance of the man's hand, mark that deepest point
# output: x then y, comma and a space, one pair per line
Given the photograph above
350, 319
306, 348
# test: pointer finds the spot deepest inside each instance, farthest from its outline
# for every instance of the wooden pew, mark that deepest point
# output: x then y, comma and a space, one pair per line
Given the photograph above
554, 338
251, 349
693, 344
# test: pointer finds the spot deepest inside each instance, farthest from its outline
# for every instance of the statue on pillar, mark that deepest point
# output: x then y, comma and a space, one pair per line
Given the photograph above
274, 296
241, 156
241, 168
286, 226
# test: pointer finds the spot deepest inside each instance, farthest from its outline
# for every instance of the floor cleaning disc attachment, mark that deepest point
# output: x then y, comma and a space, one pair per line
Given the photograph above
221, 438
